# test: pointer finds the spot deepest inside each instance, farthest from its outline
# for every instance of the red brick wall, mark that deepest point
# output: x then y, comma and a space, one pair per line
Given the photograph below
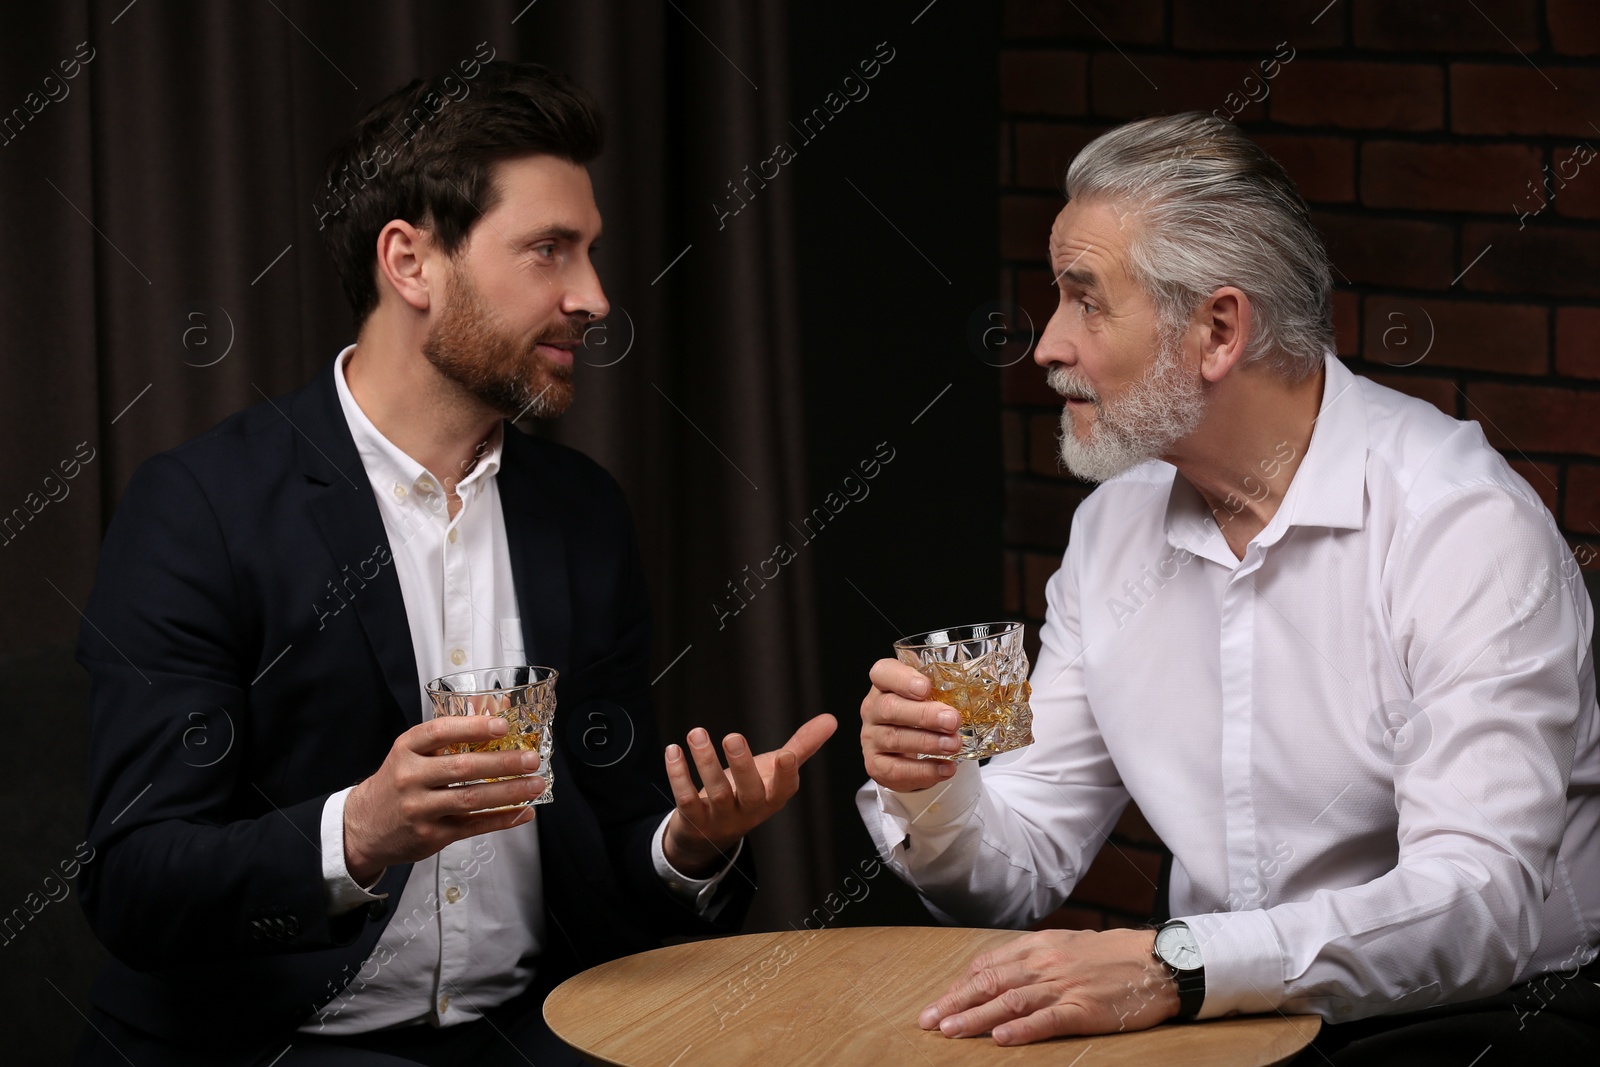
1442, 146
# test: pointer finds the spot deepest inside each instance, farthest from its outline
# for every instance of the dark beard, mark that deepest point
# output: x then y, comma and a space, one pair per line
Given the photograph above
465, 347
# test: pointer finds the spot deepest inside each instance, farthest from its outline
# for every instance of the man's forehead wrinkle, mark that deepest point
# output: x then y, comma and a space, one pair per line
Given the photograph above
1083, 260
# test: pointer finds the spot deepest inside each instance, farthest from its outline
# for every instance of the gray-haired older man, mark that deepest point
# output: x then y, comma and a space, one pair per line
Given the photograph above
1324, 636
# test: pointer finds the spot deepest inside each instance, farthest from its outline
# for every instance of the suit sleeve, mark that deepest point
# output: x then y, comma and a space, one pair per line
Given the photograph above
196, 862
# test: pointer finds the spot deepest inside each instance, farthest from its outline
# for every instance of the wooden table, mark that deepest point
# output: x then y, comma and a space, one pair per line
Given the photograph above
849, 997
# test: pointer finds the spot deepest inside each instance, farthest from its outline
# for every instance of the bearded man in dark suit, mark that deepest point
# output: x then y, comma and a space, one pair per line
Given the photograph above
307, 884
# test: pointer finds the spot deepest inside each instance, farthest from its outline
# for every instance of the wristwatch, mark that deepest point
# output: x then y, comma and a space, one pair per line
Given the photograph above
1177, 948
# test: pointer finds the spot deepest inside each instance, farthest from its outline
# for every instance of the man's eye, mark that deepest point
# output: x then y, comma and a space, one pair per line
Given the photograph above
1088, 308
546, 250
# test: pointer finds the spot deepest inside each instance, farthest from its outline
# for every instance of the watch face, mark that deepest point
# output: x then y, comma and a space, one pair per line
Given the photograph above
1177, 946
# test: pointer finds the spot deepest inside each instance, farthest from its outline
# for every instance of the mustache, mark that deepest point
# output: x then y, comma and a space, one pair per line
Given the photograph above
1063, 381
569, 332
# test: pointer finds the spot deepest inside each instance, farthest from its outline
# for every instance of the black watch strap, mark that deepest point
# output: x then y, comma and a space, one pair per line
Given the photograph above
1191, 991
1191, 982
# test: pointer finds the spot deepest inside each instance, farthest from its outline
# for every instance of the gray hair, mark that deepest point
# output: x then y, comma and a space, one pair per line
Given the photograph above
1210, 208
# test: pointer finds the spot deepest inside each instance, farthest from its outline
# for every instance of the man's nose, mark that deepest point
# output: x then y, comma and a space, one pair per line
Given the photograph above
587, 298
1055, 347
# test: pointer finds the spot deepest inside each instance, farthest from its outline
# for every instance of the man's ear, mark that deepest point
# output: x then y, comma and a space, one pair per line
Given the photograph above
402, 263
1224, 325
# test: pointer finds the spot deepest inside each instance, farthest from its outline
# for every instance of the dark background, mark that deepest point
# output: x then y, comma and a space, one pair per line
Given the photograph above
832, 314
885, 336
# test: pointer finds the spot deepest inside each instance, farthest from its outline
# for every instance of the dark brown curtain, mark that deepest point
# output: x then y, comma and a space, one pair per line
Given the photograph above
164, 271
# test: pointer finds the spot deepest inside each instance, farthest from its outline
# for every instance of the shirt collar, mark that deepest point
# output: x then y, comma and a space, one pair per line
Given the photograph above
392, 472
1329, 488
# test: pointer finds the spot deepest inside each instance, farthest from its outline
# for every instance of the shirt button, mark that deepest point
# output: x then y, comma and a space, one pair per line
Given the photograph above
457, 656
453, 532
453, 894
399, 492
444, 1005
425, 485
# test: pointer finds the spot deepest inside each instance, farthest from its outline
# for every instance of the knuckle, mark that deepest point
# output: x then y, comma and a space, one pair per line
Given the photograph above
1014, 1000
987, 982
1058, 1018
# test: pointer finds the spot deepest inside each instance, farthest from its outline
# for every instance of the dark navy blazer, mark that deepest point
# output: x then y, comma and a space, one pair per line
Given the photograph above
249, 654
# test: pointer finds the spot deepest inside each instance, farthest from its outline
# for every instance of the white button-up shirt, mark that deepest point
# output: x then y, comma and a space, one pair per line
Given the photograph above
470, 921
1371, 744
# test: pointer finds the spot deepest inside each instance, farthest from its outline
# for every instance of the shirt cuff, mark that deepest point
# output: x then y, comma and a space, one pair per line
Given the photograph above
937, 812
338, 888
696, 891
1243, 961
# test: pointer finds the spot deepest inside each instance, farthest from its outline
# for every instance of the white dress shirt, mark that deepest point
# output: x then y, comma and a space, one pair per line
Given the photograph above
470, 921
1371, 743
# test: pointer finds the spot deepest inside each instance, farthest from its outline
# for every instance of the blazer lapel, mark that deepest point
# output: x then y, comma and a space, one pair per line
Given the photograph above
538, 557
347, 516
539, 574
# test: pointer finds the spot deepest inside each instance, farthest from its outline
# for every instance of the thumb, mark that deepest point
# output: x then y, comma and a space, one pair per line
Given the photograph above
806, 740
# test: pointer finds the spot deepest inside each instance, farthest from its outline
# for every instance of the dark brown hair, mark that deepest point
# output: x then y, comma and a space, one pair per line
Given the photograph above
424, 153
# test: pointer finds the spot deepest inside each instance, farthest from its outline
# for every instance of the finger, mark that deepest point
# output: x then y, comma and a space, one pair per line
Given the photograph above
973, 990
906, 774
437, 733
891, 710
892, 676
684, 792
481, 796
904, 740
1051, 1021
449, 769
809, 737
785, 776
718, 789
1018, 1002
747, 783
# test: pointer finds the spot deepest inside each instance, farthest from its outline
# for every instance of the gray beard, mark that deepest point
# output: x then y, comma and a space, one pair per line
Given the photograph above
1165, 406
